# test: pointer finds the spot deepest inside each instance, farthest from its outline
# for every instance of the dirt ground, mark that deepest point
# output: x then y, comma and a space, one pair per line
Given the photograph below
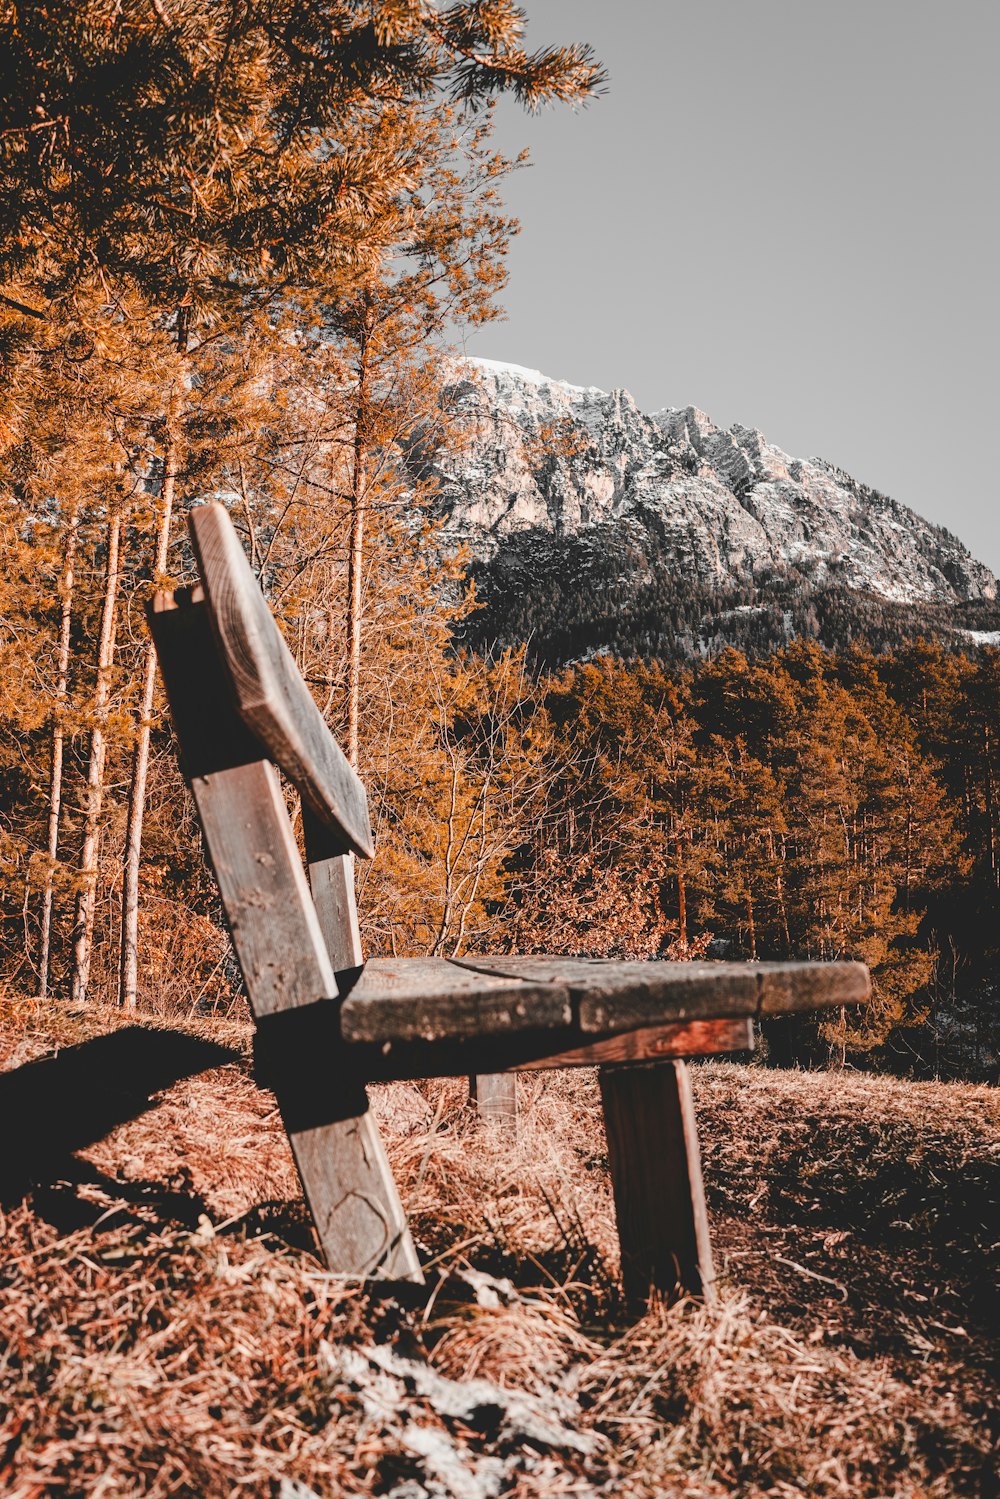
166, 1329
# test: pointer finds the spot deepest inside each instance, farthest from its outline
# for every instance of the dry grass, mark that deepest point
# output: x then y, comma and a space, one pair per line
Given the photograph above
165, 1328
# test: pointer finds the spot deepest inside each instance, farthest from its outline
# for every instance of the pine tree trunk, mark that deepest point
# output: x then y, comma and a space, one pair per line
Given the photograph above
682, 918
58, 742
129, 954
356, 558
128, 971
128, 980
751, 924
354, 580
83, 926
782, 908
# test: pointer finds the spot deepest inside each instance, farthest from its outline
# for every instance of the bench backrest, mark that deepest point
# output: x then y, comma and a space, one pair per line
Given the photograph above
268, 691
241, 711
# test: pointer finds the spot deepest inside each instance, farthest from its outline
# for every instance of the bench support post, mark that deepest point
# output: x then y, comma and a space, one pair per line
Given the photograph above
495, 1096
281, 948
656, 1174
346, 1178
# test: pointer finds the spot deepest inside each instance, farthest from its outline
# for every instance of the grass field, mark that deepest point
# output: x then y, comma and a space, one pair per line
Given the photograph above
165, 1328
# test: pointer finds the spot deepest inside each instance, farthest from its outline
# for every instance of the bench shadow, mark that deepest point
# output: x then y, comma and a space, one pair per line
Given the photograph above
54, 1106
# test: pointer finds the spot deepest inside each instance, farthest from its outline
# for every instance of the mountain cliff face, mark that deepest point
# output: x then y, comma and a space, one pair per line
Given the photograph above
594, 525
724, 506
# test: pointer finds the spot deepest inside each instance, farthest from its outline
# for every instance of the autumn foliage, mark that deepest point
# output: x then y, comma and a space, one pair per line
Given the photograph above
234, 240
810, 804
231, 238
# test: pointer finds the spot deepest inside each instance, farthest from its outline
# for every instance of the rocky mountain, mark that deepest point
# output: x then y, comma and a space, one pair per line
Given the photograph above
595, 525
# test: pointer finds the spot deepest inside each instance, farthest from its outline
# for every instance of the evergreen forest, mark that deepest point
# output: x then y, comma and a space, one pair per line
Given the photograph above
611, 590
234, 240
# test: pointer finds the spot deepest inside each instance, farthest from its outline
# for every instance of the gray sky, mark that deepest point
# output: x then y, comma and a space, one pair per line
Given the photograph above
784, 212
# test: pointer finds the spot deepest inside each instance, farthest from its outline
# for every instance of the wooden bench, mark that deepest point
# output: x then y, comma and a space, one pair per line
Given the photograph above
328, 1022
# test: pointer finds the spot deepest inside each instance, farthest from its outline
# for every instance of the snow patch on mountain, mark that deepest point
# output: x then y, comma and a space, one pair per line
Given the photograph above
519, 373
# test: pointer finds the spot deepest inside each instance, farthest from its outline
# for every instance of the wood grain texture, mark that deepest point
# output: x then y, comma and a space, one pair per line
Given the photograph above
331, 880
609, 995
693, 1038
332, 885
656, 1175
495, 1096
271, 697
263, 886
345, 1176
433, 999
790, 987
360, 1222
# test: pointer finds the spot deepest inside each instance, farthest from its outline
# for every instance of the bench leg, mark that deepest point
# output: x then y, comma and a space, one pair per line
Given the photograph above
495, 1095
345, 1175
352, 1196
656, 1174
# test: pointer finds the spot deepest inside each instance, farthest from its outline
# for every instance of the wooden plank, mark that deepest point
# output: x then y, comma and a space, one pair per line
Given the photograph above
609, 995
314, 1031
331, 880
369, 1228
210, 733
345, 1176
656, 1174
263, 886
786, 988
434, 999
495, 1096
332, 885
352, 1195
271, 697
693, 1038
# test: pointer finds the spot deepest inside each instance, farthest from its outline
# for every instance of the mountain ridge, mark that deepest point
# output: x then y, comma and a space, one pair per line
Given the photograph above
554, 484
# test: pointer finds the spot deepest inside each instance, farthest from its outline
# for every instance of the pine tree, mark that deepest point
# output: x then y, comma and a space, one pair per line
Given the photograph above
196, 176
60, 693
202, 152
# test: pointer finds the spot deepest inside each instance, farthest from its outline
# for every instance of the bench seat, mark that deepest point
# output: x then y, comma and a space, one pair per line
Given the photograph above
407, 1018
440, 999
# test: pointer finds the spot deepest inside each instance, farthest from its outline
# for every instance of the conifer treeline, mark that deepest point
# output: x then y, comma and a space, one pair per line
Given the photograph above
810, 804
623, 592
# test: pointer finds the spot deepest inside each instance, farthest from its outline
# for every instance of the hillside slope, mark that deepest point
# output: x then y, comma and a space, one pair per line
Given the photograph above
579, 509
167, 1329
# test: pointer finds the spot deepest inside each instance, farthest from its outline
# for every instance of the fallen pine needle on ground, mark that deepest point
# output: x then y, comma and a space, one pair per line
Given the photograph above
165, 1326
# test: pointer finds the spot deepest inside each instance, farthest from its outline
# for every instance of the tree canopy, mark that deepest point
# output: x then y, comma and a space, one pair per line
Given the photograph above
199, 150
